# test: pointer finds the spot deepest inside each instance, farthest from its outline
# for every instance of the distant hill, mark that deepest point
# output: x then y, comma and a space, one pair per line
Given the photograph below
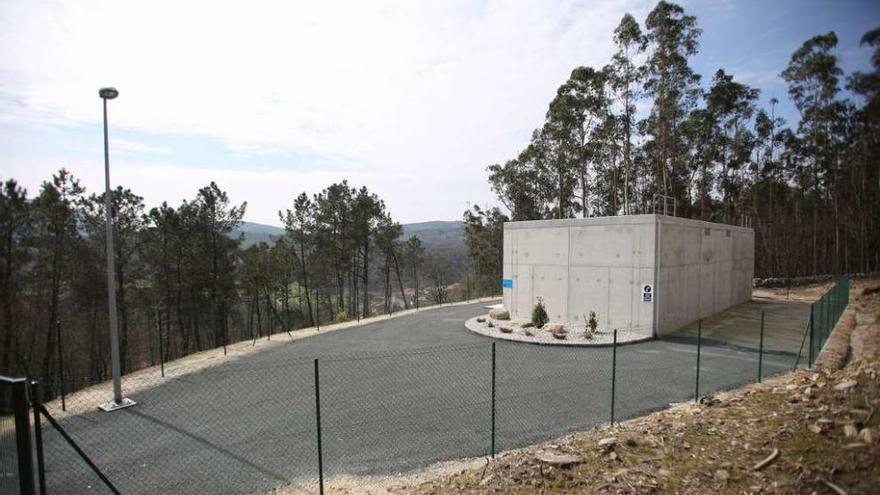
440, 237
255, 233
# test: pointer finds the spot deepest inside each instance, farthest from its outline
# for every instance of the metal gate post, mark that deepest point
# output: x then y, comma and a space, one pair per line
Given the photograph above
20, 405
613, 374
60, 366
318, 425
761, 349
812, 335
492, 447
38, 436
699, 343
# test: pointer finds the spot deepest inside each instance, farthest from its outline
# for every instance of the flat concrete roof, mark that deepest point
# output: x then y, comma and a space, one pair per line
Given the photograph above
620, 220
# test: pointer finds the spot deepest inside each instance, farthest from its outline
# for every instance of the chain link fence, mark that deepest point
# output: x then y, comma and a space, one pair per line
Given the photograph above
297, 423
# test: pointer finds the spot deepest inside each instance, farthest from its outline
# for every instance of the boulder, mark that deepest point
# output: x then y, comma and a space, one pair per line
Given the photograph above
555, 328
555, 459
608, 443
559, 335
506, 330
499, 314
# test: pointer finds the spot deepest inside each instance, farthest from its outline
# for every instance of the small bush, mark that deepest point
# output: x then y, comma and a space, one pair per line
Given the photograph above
490, 324
592, 324
539, 314
528, 324
341, 316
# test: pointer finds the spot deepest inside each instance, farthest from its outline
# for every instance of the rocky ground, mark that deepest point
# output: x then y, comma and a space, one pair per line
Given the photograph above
497, 324
813, 431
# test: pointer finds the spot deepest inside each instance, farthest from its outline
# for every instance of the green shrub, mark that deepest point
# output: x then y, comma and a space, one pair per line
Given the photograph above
341, 316
539, 314
592, 323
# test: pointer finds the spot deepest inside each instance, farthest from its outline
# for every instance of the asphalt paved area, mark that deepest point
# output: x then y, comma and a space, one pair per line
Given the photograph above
395, 395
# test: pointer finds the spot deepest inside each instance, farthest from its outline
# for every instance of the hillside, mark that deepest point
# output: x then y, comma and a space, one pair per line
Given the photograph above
439, 237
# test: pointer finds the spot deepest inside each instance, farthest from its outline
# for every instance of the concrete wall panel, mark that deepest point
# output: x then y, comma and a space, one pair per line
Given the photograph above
544, 246
601, 264
588, 290
551, 284
694, 286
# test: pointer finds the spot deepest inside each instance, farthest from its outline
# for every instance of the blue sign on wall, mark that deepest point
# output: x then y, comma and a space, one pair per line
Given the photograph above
507, 283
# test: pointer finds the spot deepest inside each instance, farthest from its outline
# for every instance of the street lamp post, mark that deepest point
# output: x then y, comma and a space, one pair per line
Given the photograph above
118, 401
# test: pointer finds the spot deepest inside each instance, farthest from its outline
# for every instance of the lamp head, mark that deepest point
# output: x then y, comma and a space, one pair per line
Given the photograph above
108, 93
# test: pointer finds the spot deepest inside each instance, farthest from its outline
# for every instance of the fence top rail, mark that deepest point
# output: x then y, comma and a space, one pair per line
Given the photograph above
10, 380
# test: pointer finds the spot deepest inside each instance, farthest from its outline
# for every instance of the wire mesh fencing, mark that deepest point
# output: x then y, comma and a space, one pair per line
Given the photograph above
297, 422
390, 412
825, 313
234, 428
8, 456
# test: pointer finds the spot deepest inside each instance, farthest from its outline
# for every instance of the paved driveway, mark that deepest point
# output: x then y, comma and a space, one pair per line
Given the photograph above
395, 395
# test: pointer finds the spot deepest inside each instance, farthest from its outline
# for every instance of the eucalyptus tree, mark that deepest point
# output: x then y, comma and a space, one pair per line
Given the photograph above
554, 169
672, 38
516, 185
731, 106
813, 84
866, 159
624, 74
574, 127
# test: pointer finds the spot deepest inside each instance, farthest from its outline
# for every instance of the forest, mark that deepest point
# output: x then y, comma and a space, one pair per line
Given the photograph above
184, 282
612, 140
615, 138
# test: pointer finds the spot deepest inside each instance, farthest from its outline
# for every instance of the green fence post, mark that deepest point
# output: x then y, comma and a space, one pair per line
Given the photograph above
699, 342
38, 436
23, 442
761, 349
613, 374
318, 426
492, 447
61, 366
812, 335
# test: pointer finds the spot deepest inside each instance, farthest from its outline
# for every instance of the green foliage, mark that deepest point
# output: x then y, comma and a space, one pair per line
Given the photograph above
483, 236
539, 314
592, 323
810, 189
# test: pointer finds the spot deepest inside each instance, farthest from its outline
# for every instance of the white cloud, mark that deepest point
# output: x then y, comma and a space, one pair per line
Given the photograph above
130, 146
419, 95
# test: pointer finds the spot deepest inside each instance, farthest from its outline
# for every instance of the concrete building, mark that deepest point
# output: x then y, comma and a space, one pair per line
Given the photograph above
649, 274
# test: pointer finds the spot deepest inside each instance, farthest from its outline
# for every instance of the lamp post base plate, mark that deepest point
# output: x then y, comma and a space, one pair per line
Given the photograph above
111, 406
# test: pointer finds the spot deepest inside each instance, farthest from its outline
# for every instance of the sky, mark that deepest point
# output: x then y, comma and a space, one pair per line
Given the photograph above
413, 99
